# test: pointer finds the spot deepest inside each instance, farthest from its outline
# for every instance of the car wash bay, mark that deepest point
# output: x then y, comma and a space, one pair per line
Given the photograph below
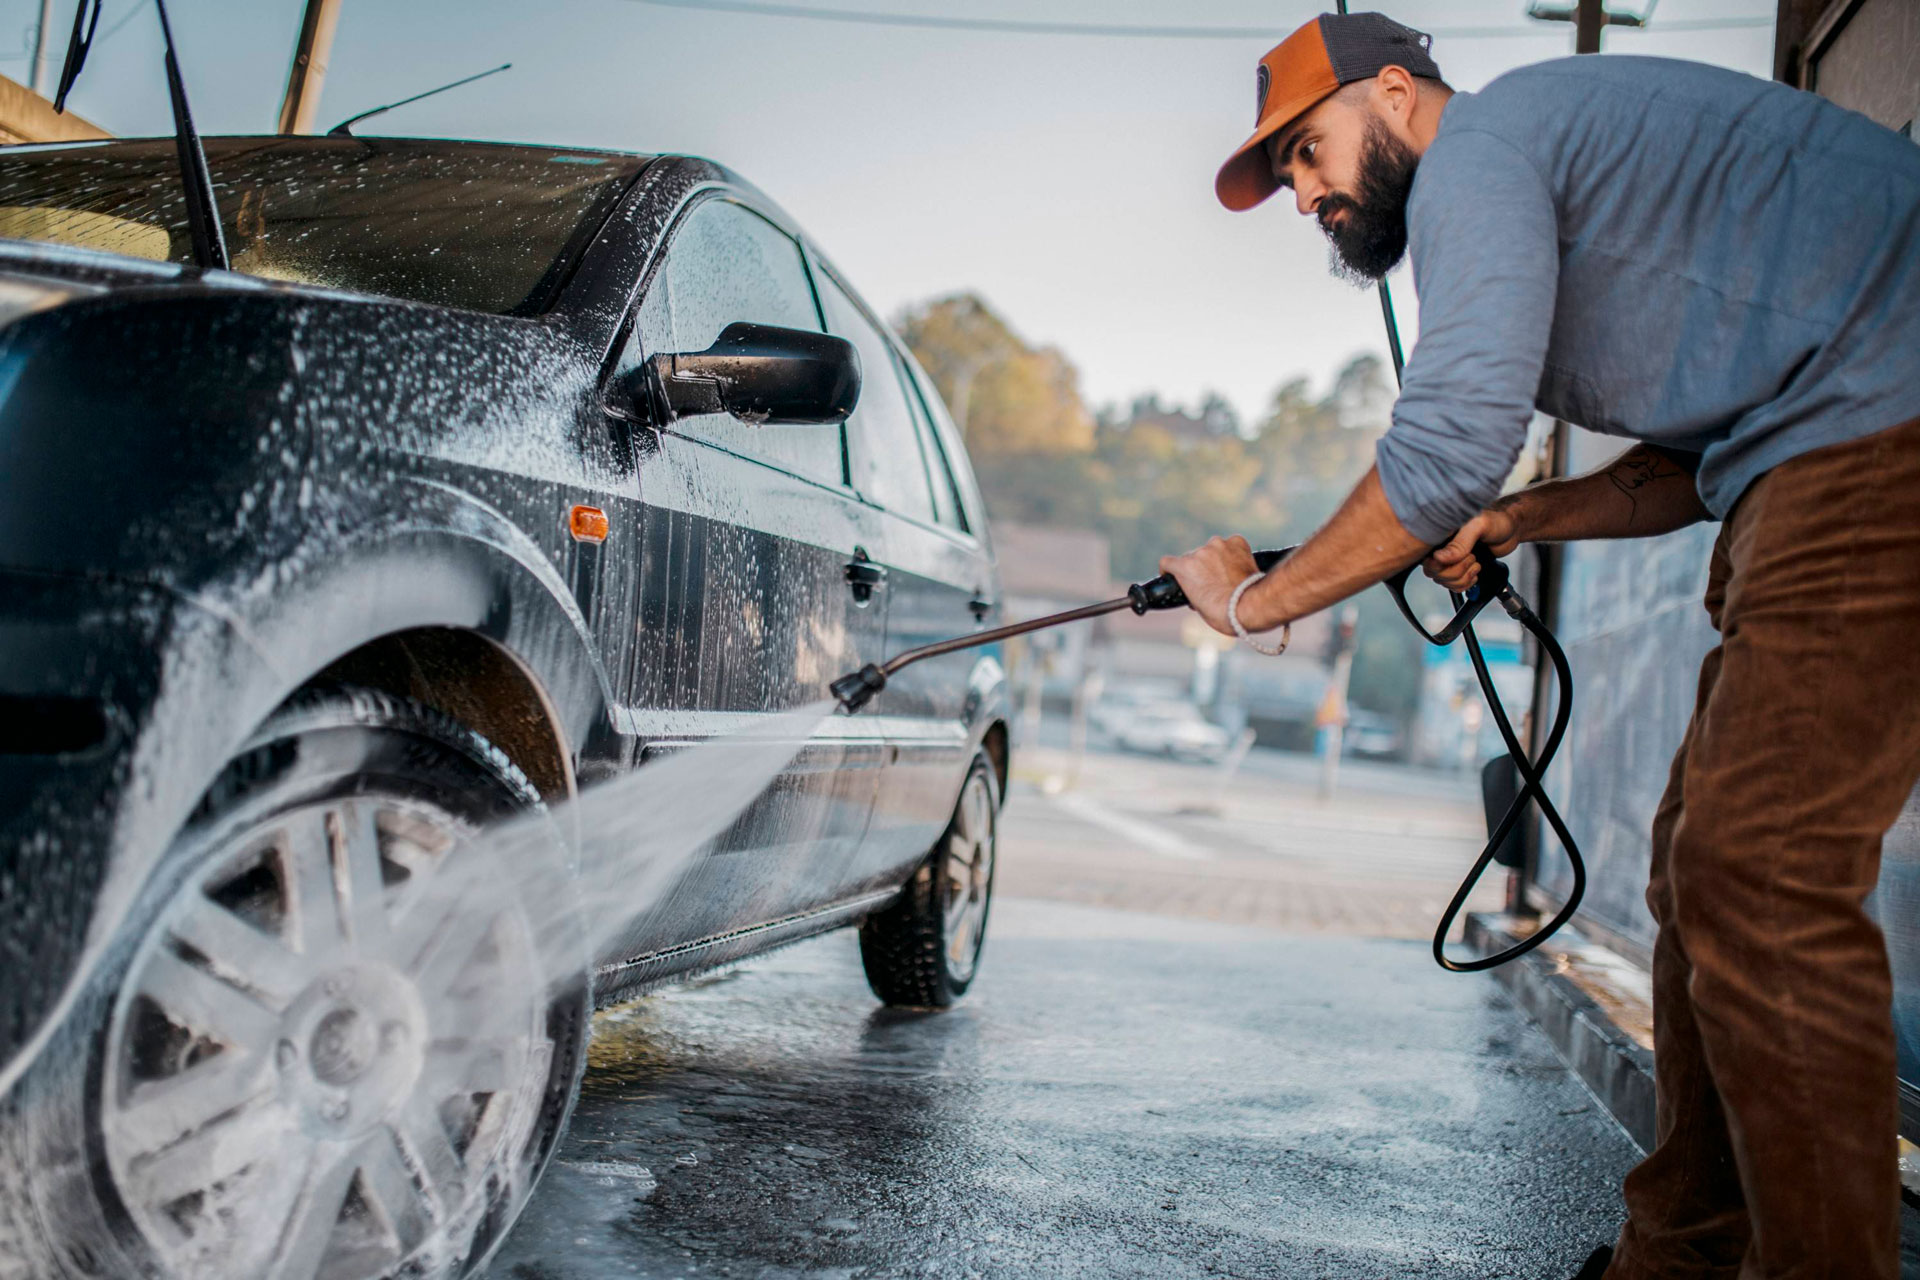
1129, 1095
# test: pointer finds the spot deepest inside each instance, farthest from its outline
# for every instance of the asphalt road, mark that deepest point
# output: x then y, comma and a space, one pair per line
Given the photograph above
1120, 1095
1379, 858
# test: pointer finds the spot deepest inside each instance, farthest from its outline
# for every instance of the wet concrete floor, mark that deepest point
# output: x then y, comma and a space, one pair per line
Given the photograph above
1120, 1095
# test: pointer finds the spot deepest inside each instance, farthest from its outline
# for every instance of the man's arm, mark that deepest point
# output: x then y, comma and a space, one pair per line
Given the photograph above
1484, 236
1643, 492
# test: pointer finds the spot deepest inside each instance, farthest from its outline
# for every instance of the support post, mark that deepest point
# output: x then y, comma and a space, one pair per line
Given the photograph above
309, 70
42, 82
1589, 18
1794, 21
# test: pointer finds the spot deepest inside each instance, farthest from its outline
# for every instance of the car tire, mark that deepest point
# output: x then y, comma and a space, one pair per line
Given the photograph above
922, 950
399, 1073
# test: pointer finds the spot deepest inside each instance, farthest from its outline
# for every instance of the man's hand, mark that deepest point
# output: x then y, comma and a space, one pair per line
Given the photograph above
1454, 565
1209, 574
1362, 543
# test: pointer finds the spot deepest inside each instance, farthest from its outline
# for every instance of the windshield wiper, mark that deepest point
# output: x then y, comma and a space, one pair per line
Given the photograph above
342, 129
203, 214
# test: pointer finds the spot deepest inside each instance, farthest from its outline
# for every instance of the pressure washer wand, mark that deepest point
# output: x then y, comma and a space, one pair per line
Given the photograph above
855, 689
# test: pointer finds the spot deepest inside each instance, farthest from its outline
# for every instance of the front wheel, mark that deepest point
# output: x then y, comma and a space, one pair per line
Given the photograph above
923, 950
319, 1051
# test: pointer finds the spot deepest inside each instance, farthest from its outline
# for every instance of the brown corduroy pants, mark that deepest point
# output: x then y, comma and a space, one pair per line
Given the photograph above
1773, 1033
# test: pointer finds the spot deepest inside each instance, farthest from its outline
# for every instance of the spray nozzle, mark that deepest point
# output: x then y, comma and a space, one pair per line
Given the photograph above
856, 688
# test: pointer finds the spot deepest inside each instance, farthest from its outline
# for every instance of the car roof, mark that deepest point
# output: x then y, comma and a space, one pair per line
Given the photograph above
623, 172
632, 161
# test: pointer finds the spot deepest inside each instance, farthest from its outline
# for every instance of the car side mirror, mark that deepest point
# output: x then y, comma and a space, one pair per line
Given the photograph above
759, 373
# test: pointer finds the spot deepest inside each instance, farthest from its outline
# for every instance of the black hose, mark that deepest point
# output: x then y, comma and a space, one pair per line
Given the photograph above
1533, 777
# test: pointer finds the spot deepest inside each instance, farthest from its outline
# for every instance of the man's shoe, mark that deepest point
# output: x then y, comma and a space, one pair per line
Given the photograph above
1596, 1264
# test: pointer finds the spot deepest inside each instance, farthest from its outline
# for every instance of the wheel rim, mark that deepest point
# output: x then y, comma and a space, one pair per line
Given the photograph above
968, 868
317, 1065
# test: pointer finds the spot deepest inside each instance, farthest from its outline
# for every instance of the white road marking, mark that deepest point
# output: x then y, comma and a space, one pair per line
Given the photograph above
1131, 827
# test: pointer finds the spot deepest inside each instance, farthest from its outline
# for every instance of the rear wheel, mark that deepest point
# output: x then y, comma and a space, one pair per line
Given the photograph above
329, 1048
923, 950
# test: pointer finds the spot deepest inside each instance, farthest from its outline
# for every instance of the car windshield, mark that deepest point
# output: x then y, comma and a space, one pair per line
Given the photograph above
472, 225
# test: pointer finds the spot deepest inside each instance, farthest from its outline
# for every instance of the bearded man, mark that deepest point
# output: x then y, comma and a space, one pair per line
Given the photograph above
1727, 271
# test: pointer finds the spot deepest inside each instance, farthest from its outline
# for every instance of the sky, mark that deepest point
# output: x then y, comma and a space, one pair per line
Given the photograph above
1068, 179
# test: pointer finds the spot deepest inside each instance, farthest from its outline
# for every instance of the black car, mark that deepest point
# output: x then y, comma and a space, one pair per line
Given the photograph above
487, 474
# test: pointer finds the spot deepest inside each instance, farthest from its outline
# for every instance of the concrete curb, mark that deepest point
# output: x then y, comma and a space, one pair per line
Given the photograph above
1617, 1071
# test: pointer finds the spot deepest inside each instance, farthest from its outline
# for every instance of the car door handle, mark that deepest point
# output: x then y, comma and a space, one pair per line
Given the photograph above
981, 607
863, 576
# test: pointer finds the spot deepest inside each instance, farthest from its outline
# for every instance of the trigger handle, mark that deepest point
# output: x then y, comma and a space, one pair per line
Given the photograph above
1164, 593
1494, 578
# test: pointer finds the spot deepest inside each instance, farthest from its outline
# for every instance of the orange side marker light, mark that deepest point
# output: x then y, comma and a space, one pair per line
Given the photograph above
587, 524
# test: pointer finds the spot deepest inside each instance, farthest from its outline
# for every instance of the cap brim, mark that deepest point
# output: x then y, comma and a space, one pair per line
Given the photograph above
1247, 178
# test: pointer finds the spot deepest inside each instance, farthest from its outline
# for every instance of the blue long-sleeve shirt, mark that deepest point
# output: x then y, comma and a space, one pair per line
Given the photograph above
1656, 249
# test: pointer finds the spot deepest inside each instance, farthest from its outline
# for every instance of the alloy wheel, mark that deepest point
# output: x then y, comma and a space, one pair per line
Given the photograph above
318, 1066
968, 868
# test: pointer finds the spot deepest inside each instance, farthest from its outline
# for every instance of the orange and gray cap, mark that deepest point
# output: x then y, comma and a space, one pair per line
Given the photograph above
1309, 65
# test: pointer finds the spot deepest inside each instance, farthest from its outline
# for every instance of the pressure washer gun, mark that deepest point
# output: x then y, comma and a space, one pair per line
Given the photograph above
856, 689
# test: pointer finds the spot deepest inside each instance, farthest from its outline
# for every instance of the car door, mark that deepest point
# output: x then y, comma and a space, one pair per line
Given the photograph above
745, 607
938, 584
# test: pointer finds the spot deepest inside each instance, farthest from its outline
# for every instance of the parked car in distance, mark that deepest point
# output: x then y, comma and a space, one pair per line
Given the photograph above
486, 475
1119, 701
1174, 729
1370, 735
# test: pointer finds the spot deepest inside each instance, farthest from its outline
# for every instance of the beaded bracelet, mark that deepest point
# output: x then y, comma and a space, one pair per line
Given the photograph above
1233, 617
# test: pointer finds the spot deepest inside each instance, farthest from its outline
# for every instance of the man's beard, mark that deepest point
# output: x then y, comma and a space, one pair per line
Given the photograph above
1372, 238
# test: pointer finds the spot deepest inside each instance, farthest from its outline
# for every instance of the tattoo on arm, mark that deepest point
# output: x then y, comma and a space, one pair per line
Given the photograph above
1637, 468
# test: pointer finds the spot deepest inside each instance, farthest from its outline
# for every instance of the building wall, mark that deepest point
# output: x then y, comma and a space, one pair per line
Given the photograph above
1869, 60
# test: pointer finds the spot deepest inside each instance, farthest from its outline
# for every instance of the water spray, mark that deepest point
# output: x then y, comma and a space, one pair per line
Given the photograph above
633, 840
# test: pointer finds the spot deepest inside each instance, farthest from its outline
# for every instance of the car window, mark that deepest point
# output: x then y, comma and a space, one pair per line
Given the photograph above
947, 507
724, 264
883, 441
948, 456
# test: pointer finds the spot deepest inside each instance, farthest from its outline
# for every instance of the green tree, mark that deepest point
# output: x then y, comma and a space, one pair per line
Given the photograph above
1007, 397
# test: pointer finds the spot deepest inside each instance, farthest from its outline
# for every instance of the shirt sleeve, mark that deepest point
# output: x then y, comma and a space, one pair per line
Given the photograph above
1486, 260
